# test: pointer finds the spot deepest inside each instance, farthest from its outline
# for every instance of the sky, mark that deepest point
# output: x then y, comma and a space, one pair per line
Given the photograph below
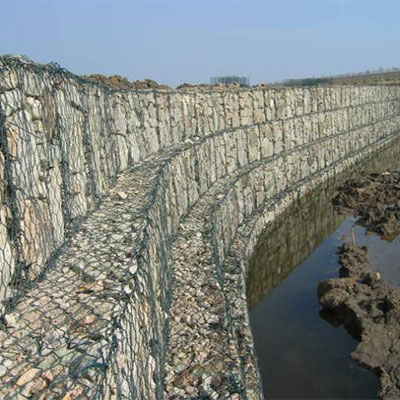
176, 41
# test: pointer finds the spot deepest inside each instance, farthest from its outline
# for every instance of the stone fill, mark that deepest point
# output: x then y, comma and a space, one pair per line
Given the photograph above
58, 341
127, 219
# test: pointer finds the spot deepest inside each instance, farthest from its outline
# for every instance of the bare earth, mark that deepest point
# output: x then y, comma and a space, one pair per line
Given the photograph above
368, 306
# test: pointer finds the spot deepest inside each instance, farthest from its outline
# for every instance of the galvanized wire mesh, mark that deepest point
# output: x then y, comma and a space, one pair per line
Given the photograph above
80, 316
84, 252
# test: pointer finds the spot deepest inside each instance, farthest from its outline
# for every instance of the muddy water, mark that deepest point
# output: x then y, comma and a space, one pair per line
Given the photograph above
384, 256
302, 353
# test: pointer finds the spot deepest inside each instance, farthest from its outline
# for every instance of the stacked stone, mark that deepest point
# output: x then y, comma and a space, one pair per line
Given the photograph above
233, 202
255, 230
58, 341
119, 213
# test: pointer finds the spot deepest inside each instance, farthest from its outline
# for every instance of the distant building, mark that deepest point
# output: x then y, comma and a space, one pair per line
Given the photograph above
226, 80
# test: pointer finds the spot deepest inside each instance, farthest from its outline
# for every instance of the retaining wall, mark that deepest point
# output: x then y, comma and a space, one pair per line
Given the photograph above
69, 146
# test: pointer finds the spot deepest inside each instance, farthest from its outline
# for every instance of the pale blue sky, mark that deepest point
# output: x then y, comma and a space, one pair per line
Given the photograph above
176, 41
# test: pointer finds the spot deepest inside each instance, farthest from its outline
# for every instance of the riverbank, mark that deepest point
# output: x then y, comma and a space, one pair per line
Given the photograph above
360, 299
375, 198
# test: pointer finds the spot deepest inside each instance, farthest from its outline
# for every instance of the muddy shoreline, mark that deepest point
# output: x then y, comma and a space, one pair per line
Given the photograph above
361, 299
375, 199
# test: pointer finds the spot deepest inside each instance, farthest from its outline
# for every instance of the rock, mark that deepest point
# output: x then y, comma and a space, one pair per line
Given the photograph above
27, 376
122, 195
127, 289
89, 287
371, 277
89, 319
48, 375
190, 390
334, 298
345, 284
38, 386
10, 320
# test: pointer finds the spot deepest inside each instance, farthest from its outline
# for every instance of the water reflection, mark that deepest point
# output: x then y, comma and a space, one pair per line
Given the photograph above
289, 239
300, 355
383, 255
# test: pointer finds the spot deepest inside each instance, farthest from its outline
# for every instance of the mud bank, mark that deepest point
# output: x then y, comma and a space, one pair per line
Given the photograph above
375, 198
360, 299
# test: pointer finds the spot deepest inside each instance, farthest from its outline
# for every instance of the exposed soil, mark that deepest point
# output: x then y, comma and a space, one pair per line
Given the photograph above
217, 86
207, 86
119, 82
375, 198
361, 300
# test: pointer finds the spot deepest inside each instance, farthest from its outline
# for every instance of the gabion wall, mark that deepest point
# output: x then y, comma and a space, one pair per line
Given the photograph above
102, 195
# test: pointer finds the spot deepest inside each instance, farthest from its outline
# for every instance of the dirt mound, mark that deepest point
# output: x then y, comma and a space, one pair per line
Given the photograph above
218, 86
369, 308
149, 84
206, 86
375, 198
119, 82
361, 300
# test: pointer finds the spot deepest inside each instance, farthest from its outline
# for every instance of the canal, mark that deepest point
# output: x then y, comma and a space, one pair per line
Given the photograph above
304, 353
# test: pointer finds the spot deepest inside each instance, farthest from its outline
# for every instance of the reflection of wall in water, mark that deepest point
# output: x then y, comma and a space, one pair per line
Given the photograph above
288, 240
291, 237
